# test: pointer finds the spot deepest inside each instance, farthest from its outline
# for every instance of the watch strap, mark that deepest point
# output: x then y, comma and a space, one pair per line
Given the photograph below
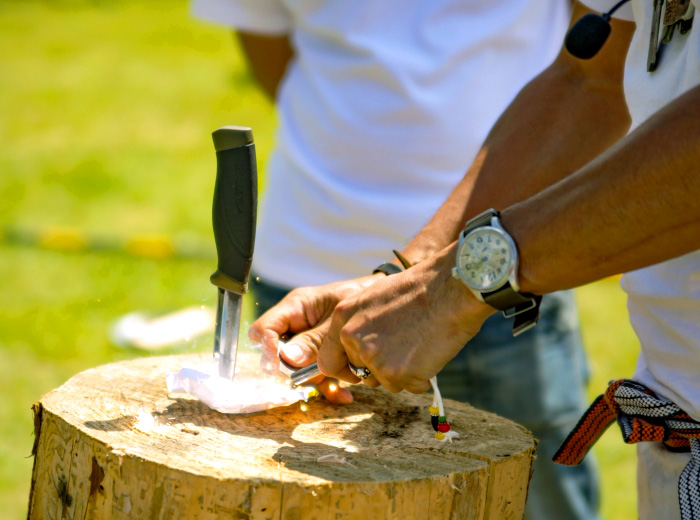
505, 298
482, 219
388, 269
527, 319
524, 307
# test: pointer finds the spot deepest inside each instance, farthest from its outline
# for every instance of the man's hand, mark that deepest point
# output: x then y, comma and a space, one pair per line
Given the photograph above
403, 328
304, 314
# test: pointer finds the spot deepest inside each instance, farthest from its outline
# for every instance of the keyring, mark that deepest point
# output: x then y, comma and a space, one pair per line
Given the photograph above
359, 372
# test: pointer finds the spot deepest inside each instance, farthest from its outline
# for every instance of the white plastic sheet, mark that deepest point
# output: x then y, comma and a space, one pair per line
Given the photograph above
242, 395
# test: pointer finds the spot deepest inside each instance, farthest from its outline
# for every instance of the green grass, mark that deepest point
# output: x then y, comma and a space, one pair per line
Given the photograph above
106, 109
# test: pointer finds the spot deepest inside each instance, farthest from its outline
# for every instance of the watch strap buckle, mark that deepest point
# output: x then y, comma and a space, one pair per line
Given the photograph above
525, 315
531, 303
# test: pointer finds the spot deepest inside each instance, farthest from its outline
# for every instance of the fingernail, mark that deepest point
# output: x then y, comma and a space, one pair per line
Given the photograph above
294, 353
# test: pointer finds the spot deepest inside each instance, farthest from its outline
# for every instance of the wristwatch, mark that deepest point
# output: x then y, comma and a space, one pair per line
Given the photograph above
487, 263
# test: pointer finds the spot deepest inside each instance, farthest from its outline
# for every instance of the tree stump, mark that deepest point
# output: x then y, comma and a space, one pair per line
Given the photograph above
111, 443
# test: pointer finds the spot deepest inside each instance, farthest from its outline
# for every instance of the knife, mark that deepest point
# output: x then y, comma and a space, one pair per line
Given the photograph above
233, 215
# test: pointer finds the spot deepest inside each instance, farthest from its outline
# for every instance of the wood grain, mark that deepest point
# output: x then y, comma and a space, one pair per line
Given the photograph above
113, 444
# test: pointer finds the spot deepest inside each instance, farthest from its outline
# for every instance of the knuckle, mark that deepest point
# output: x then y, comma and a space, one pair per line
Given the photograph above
369, 352
347, 335
255, 332
389, 373
296, 295
343, 309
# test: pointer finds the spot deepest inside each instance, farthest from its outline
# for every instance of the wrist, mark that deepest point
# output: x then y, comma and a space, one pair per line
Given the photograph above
518, 228
465, 305
387, 269
487, 263
394, 267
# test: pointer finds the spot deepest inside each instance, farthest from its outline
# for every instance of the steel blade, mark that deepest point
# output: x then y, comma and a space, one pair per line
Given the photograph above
228, 322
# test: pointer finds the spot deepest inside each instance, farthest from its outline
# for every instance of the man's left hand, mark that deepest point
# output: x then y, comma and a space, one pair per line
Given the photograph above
403, 328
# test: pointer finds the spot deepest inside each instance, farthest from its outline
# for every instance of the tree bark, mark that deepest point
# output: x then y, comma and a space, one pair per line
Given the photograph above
111, 443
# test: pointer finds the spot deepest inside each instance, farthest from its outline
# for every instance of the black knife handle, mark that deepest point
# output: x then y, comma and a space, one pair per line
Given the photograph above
235, 207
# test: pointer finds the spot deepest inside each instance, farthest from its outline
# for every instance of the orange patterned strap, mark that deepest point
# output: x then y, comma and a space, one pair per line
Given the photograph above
586, 433
643, 417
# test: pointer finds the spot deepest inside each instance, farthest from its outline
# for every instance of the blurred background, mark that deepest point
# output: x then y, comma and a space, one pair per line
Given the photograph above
106, 179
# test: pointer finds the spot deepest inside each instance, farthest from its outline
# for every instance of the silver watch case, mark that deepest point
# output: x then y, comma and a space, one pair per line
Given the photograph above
512, 269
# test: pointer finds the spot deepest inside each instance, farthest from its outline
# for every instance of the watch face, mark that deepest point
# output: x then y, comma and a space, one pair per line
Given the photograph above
485, 259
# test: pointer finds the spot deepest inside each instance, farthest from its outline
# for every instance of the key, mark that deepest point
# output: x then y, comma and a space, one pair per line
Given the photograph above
653, 56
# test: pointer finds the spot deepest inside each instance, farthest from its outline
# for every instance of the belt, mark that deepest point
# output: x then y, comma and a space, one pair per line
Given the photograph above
643, 417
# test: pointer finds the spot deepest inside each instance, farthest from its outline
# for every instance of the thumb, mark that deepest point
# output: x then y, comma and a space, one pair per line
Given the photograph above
297, 353
302, 349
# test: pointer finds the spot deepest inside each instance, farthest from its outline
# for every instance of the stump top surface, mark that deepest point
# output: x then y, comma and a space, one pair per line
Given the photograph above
381, 436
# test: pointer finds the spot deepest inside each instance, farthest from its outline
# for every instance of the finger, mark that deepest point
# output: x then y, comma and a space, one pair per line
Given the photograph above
269, 362
396, 384
332, 359
371, 381
418, 387
378, 379
298, 353
288, 316
332, 391
302, 349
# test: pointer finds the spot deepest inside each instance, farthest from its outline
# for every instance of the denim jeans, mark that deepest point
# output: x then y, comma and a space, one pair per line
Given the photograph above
536, 379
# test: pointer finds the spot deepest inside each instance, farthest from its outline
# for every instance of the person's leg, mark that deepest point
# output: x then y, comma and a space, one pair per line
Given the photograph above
658, 471
266, 295
538, 380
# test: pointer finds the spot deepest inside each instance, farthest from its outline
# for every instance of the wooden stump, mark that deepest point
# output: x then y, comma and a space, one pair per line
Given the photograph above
111, 443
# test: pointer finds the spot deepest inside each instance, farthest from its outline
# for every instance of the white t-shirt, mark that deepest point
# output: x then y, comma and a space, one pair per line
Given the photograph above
664, 299
381, 113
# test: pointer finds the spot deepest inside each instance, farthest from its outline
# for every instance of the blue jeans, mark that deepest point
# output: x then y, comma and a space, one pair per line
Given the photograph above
536, 379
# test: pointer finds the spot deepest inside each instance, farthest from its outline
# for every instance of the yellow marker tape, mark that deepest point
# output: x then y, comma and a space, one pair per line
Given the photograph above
151, 246
63, 240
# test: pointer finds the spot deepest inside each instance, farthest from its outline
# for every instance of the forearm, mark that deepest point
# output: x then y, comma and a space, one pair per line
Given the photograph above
634, 206
267, 58
561, 120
